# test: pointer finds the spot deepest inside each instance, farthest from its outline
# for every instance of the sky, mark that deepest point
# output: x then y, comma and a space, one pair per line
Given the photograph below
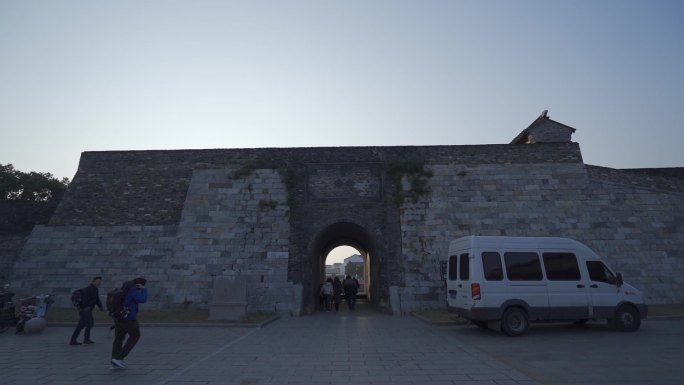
96, 75
338, 254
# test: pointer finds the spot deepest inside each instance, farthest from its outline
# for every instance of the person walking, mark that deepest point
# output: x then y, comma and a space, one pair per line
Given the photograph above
350, 290
327, 293
135, 293
337, 293
90, 297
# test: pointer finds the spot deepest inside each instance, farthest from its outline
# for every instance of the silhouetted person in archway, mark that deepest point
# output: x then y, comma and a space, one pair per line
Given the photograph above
350, 290
321, 302
337, 293
327, 293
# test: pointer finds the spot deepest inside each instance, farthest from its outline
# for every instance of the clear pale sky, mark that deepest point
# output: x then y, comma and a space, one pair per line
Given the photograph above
135, 75
339, 253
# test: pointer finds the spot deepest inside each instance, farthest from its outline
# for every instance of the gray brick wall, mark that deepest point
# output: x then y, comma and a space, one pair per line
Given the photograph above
233, 227
184, 218
149, 187
60, 259
638, 231
229, 228
550, 131
10, 248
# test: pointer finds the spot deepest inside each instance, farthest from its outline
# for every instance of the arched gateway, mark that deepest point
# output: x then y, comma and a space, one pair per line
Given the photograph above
268, 217
350, 234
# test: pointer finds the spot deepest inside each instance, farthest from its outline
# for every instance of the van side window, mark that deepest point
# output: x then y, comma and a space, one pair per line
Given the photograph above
453, 267
561, 266
598, 272
491, 264
464, 267
523, 266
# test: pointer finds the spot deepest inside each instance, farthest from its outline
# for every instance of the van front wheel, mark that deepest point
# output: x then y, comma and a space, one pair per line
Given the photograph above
514, 322
627, 319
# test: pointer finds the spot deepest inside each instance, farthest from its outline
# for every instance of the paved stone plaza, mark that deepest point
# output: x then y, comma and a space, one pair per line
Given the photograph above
361, 348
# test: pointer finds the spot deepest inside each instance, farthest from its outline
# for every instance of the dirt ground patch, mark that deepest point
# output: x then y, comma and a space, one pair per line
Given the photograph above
154, 316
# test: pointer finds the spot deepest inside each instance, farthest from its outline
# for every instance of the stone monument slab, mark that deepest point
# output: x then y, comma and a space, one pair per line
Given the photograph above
229, 299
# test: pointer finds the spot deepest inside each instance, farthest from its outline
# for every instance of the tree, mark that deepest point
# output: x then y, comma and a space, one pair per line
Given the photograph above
31, 186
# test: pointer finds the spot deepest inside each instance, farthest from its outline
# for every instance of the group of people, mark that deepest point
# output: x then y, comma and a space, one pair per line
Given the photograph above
331, 292
135, 293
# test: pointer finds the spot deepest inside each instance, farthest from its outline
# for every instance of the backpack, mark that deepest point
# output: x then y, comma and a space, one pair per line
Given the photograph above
76, 298
350, 287
116, 307
327, 289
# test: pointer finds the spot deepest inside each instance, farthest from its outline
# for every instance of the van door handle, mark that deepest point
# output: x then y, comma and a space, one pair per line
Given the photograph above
594, 286
459, 285
580, 286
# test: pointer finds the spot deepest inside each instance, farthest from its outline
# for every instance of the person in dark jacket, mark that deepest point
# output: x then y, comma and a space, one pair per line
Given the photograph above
135, 294
337, 293
350, 290
327, 292
90, 297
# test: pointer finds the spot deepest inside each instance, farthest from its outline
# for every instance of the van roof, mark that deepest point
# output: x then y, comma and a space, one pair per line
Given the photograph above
515, 242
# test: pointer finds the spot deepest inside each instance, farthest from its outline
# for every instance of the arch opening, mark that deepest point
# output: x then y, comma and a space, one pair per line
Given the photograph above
350, 238
345, 260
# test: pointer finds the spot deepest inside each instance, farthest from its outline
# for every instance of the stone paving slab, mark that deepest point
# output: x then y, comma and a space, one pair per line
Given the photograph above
362, 348
594, 354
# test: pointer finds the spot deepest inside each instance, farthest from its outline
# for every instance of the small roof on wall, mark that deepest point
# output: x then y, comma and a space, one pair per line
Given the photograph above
353, 259
548, 124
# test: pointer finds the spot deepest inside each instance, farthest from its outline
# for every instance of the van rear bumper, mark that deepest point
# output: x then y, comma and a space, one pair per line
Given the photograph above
477, 313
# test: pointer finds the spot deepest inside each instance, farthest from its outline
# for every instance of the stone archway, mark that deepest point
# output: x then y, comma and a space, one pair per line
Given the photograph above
343, 233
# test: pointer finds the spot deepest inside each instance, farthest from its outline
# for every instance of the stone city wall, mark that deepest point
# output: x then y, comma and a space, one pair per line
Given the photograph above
186, 218
60, 259
234, 224
149, 187
230, 227
17, 219
638, 231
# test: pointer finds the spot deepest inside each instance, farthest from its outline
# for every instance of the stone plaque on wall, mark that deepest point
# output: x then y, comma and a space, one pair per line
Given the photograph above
277, 255
341, 181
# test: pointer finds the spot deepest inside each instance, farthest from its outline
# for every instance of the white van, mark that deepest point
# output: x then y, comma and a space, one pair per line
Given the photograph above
516, 280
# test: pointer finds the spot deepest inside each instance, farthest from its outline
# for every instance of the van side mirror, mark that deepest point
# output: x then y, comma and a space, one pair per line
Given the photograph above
618, 280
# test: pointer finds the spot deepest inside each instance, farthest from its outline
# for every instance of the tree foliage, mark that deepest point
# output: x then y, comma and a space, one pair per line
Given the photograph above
29, 186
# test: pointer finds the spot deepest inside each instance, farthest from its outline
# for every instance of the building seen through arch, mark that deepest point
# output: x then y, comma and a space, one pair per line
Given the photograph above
354, 266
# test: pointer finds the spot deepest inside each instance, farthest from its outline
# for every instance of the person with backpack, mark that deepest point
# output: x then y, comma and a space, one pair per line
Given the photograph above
85, 300
337, 293
350, 290
123, 308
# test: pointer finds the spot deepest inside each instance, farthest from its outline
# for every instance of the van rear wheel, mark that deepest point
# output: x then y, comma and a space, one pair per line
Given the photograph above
627, 319
514, 322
